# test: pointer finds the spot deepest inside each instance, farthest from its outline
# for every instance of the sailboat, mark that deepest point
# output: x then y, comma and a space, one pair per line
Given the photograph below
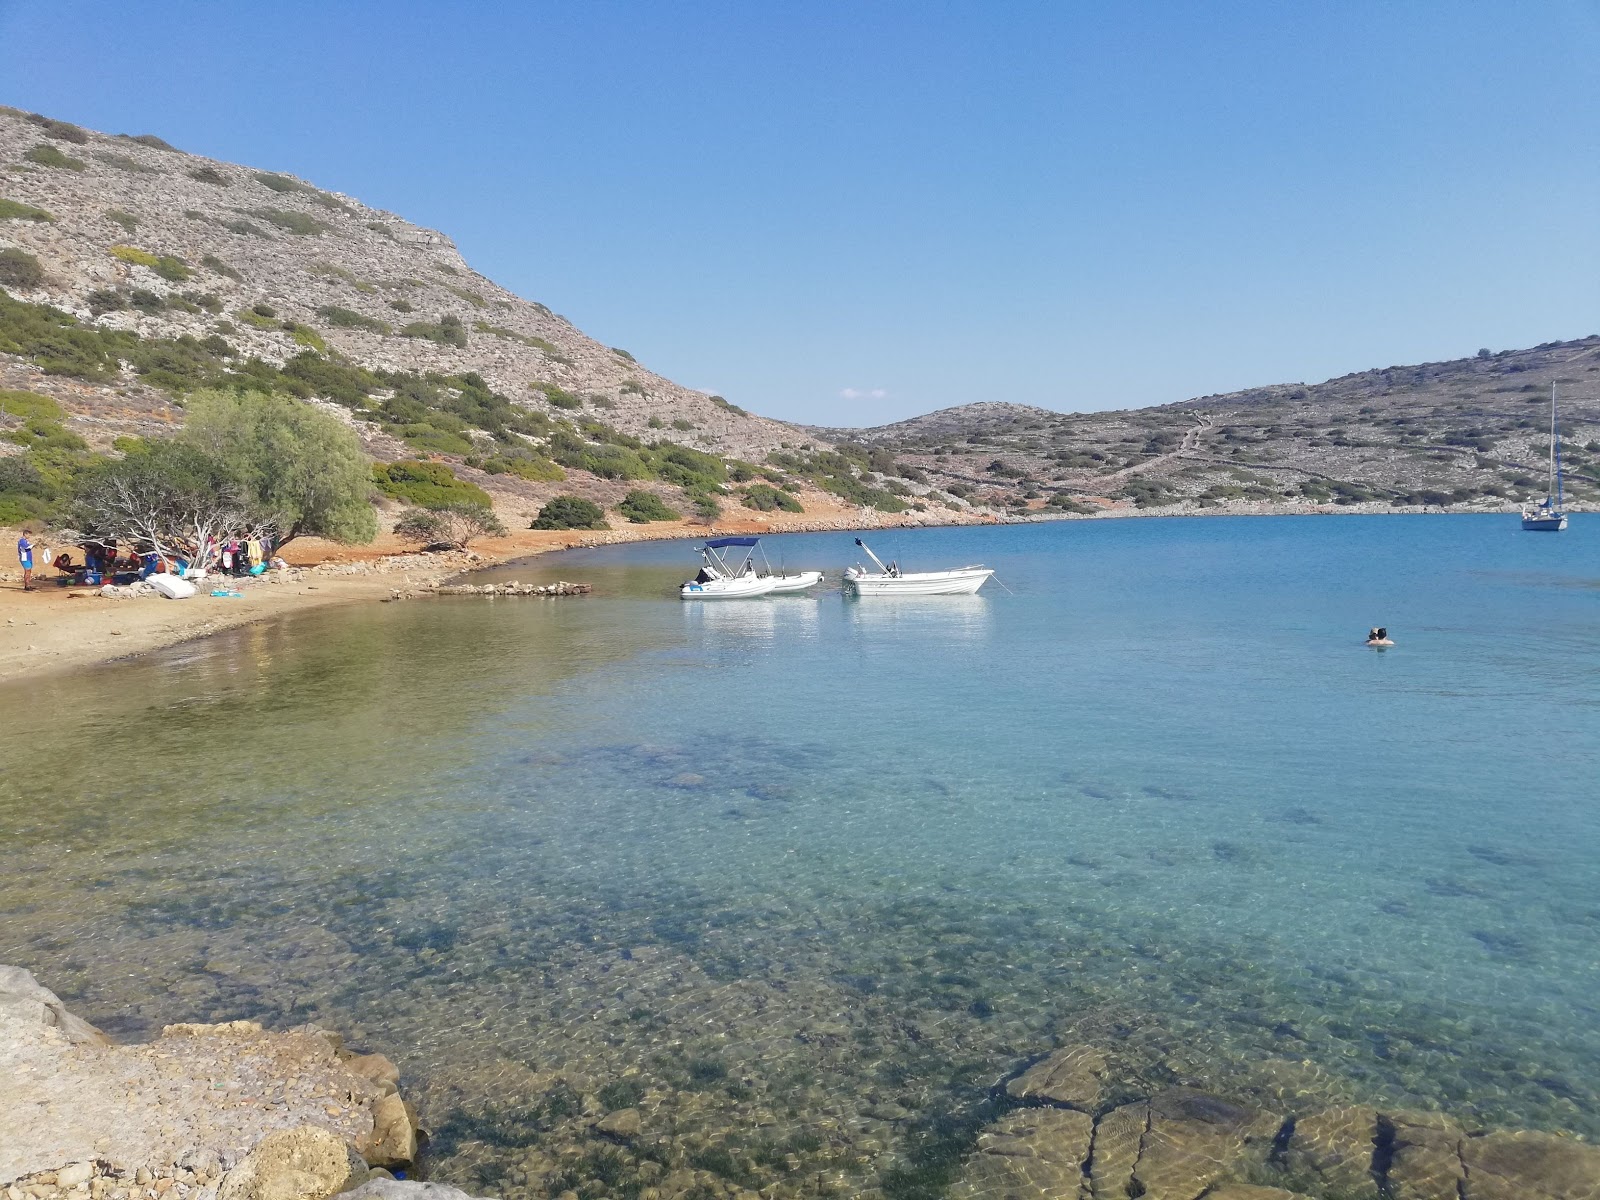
1549, 516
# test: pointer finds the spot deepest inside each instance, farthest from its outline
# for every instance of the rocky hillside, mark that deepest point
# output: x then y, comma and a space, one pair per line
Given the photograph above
132, 273
1470, 433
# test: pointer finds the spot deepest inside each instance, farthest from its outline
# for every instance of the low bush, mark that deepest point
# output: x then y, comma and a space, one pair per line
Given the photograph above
169, 267
122, 162
522, 463
278, 183
642, 507
46, 155
448, 331
126, 219
35, 422
13, 210
19, 269
402, 306
570, 512
210, 175
298, 223
426, 485
62, 131
259, 316
245, 228
631, 387
556, 396
104, 300
763, 497
306, 336
347, 318
467, 294
733, 408
149, 139
450, 526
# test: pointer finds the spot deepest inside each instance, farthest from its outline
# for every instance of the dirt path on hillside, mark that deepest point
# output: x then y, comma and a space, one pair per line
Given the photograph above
1189, 444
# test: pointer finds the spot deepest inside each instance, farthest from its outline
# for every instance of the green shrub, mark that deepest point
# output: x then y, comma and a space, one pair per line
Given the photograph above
104, 300
306, 336
122, 162
521, 462
127, 220
426, 485
631, 387
1066, 501
570, 512
147, 301
655, 423
298, 223
681, 425
451, 525
245, 228
46, 155
148, 139
259, 316
706, 506
134, 255
210, 175
41, 420
278, 183
402, 306
449, 331
346, 318
642, 507
471, 297
25, 495
621, 353
12, 210
733, 408
60, 130
763, 497
19, 269
557, 396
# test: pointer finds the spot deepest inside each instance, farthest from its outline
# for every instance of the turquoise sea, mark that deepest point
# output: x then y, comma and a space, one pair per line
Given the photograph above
802, 877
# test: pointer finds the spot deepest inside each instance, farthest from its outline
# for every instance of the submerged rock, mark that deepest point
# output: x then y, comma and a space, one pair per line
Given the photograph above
1424, 1155
1196, 1139
379, 1188
1070, 1076
1525, 1165
1337, 1145
1117, 1138
1030, 1152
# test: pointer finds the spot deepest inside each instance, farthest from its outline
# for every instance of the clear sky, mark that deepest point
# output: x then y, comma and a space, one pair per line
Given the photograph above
850, 213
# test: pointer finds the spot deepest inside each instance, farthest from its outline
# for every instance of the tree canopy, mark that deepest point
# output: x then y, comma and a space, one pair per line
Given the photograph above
304, 467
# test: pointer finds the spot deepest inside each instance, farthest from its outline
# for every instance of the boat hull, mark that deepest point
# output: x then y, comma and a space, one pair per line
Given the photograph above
746, 587
797, 582
961, 582
1544, 524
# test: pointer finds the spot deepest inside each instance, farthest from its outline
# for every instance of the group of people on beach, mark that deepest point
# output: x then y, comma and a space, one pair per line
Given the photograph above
104, 562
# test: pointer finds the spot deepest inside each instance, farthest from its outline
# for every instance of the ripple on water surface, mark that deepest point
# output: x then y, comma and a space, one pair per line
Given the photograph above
799, 879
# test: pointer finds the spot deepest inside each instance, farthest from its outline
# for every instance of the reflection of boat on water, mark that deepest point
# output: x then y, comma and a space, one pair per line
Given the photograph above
726, 575
1549, 515
892, 581
894, 620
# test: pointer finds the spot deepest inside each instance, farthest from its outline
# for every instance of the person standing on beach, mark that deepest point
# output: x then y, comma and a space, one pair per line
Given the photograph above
25, 557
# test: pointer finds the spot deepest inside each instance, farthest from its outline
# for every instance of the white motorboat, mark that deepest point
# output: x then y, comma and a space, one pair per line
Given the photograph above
892, 581
1550, 514
724, 575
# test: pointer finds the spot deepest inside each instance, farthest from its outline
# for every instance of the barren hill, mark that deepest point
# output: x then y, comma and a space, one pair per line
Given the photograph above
1469, 433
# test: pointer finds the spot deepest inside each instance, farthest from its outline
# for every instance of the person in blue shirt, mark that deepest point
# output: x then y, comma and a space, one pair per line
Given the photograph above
25, 557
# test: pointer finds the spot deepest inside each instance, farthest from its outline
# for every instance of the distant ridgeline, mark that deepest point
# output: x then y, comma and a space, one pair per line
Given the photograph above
132, 274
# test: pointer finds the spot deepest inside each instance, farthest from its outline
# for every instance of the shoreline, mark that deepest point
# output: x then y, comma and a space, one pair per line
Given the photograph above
58, 629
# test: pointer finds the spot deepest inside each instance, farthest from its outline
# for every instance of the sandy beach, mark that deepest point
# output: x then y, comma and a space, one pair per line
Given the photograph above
57, 628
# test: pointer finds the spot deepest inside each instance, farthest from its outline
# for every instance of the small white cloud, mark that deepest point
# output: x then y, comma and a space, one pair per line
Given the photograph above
851, 393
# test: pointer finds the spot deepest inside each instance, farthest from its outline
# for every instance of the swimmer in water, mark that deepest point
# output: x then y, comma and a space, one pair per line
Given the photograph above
1378, 636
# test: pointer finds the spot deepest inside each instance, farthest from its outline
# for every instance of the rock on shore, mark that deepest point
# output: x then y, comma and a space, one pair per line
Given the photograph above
204, 1112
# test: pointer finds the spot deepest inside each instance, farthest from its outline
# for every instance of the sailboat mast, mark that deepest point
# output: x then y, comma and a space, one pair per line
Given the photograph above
1555, 447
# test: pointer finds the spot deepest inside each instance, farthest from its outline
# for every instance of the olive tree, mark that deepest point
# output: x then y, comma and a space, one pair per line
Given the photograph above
449, 526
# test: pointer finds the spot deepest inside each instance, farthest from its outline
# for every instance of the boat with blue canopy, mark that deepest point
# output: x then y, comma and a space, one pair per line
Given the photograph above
727, 574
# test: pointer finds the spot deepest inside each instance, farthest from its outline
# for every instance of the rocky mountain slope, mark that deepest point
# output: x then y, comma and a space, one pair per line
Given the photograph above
1468, 433
131, 273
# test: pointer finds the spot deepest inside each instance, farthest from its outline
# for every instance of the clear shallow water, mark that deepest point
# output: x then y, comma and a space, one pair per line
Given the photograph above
805, 875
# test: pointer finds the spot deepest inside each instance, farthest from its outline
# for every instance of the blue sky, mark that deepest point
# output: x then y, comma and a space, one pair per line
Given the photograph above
851, 213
